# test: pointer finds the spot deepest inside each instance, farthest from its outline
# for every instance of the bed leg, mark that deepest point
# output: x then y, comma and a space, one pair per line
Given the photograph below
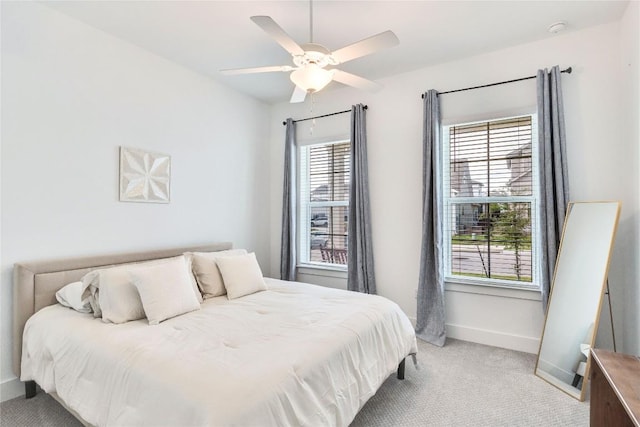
401, 370
30, 389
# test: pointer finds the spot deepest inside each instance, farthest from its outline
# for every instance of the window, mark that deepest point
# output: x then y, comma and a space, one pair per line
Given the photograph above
324, 203
490, 202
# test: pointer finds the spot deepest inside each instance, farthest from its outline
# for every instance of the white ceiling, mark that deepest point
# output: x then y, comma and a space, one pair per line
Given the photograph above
207, 36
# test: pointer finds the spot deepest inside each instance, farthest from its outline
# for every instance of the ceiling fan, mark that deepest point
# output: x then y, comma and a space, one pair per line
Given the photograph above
313, 63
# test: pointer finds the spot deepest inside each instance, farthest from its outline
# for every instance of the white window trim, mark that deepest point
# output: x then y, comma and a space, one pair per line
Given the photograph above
304, 216
490, 285
324, 270
498, 291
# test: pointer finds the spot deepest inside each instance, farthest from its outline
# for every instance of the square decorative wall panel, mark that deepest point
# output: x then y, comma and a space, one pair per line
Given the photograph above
144, 176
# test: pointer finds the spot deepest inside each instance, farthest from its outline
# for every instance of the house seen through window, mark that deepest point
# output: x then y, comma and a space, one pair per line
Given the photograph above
324, 203
490, 202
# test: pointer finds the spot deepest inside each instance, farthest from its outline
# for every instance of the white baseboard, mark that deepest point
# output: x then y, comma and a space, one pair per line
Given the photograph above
10, 389
494, 338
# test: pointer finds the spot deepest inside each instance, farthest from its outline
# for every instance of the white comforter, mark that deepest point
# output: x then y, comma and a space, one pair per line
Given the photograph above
296, 354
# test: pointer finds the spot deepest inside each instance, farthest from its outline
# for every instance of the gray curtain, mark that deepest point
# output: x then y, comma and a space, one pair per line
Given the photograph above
430, 313
554, 184
288, 241
360, 276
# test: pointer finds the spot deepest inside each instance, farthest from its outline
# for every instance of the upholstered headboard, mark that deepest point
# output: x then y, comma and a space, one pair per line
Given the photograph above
36, 283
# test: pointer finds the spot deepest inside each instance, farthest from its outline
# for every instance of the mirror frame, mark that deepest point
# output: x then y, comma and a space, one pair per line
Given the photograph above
567, 388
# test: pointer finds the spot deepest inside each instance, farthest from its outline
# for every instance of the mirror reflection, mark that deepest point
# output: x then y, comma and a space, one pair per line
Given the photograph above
576, 295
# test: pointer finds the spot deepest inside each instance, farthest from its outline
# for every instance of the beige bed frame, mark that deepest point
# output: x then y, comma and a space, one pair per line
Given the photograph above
36, 283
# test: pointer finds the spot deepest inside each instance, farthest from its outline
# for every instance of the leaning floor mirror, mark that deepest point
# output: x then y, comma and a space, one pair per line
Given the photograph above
576, 295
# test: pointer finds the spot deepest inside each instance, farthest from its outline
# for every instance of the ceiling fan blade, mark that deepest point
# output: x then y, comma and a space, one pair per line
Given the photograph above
271, 69
298, 95
278, 34
356, 81
366, 47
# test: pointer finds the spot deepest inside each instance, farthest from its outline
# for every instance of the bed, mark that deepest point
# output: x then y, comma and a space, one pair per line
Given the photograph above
291, 354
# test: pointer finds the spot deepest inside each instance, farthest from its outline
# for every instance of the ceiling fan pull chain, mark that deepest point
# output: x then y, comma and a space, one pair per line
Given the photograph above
313, 121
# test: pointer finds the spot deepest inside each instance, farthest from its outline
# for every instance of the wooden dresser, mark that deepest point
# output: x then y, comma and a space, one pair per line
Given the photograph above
615, 389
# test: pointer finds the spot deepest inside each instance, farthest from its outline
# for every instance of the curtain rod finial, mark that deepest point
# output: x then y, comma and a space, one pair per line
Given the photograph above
569, 70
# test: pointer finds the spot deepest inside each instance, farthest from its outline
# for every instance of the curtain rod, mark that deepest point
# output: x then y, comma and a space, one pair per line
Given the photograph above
568, 71
324, 115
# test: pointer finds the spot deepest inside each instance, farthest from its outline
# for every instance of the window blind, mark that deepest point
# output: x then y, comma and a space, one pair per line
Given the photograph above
490, 191
325, 170
329, 172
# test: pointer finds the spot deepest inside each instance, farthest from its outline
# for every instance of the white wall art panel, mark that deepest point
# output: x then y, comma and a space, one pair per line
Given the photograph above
144, 176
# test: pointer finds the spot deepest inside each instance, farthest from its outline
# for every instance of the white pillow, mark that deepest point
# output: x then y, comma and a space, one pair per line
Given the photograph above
118, 297
207, 273
192, 279
91, 281
241, 274
75, 295
165, 290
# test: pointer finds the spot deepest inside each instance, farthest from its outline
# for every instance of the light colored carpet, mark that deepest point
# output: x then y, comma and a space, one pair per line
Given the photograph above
467, 384
460, 384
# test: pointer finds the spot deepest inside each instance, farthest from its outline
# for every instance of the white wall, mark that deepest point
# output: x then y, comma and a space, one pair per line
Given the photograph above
71, 95
630, 63
600, 168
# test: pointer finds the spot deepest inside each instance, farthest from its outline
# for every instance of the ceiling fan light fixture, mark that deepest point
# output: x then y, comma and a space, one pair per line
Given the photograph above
311, 78
310, 59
